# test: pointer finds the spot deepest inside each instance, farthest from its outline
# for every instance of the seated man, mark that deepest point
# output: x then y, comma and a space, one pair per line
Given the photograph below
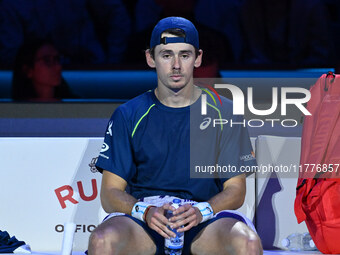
153, 142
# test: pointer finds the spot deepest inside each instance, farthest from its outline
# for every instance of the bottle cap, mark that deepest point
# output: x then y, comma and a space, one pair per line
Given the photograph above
285, 242
176, 201
311, 243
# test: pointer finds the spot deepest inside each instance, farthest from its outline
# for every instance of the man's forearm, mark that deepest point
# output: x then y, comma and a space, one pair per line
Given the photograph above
231, 198
115, 200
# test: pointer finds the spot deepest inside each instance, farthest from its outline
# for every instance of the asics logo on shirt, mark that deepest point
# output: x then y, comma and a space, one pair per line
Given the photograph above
205, 123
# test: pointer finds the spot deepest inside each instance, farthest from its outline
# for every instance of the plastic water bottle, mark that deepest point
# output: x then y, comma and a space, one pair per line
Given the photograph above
174, 245
299, 242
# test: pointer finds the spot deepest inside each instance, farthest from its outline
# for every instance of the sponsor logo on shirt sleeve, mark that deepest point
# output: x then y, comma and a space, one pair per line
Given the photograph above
105, 148
247, 157
109, 129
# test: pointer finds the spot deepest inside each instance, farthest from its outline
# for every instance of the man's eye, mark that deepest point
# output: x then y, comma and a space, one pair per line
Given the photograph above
185, 56
166, 56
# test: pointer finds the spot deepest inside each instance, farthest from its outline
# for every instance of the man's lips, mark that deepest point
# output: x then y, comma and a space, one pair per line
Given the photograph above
176, 76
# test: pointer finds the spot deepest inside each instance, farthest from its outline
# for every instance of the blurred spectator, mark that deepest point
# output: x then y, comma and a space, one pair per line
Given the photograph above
113, 27
223, 17
286, 32
68, 24
37, 74
217, 21
216, 51
145, 16
333, 7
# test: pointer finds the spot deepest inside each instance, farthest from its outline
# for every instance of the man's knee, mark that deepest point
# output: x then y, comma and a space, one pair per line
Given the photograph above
120, 235
247, 242
227, 236
104, 239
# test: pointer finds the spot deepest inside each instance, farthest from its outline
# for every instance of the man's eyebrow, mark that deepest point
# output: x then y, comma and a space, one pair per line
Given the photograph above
166, 51
186, 52
181, 51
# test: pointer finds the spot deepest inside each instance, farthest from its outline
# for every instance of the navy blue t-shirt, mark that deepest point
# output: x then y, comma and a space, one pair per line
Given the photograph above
154, 147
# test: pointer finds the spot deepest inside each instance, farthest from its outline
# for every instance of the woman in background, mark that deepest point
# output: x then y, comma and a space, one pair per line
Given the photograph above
37, 74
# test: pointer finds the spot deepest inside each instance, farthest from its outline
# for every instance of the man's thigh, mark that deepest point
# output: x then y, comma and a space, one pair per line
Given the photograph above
123, 235
226, 236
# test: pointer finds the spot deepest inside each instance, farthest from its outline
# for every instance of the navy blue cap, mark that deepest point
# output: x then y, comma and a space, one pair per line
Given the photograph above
191, 34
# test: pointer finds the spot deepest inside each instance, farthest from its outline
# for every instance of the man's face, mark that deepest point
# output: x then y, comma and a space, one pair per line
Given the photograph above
174, 63
46, 70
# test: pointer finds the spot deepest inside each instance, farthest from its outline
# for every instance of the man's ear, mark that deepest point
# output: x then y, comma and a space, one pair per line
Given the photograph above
149, 59
198, 60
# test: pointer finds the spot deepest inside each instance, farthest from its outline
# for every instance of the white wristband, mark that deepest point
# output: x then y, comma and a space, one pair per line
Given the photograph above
206, 210
139, 209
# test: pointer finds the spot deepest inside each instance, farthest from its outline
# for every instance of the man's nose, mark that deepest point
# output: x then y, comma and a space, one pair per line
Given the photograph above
176, 63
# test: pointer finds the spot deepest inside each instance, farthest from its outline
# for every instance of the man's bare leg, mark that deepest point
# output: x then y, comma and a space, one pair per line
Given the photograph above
120, 235
227, 236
